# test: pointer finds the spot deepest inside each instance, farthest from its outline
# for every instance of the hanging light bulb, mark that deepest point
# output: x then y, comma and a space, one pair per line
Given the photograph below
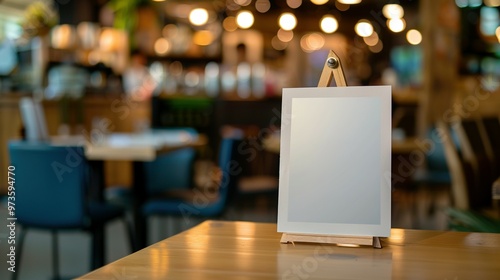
287, 21
349, 2
329, 24
393, 11
319, 2
198, 16
414, 37
396, 24
244, 19
363, 28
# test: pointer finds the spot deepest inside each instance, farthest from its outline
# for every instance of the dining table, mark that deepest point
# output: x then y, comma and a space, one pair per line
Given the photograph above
249, 250
137, 148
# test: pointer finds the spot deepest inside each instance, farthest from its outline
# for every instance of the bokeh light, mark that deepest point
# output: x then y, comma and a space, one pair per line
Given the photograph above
363, 28
393, 11
371, 40
262, 6
396, 24
162, 46
285, 35
244, 19
349, 2
229, 24
278, 44
294, 4
414, 37
203, 38
319, 2
329, 24
198, 16
287, 21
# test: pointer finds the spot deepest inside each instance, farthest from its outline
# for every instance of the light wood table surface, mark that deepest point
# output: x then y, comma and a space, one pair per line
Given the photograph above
403, 146
246, 250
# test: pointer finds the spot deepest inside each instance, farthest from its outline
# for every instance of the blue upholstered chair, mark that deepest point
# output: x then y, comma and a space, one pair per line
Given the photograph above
170, 171
173, 170
436, 171
51, 192
204, 203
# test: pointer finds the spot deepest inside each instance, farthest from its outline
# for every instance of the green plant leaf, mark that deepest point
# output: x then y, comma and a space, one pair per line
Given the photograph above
465, 220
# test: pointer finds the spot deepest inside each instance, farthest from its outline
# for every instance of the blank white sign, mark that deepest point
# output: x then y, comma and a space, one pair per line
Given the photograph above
335, 161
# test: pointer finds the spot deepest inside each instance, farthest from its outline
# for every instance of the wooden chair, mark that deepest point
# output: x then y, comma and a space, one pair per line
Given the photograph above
470, 211
489, 127
475, 153
256, 186
460, 172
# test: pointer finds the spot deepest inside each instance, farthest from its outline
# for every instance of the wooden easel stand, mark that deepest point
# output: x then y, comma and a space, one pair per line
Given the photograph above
332, 68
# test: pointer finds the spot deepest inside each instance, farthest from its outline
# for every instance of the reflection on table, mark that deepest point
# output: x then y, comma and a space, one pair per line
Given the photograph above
245, 250
399, 146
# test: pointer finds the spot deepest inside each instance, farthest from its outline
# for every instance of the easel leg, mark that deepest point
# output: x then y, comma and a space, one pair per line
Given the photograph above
376, 243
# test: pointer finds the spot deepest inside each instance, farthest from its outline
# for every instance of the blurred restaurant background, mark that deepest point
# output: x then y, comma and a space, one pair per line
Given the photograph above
218, 67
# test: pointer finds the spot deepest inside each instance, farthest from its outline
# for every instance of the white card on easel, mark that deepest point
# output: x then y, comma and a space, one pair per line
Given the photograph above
335, 161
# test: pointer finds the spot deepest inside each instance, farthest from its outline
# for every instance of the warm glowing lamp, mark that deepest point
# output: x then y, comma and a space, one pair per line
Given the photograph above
287, 21
393, 11
198, 16
63, 36
262, 6
229, 24
203, 38
349, 2
285, 35
244, 19
162, 46
363, 28
329, 24
396, 24
414, 37
319, 2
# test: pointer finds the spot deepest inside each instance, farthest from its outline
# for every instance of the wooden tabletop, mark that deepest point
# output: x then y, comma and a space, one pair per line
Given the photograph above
246, 250
133, 146
403, 146
141, 147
